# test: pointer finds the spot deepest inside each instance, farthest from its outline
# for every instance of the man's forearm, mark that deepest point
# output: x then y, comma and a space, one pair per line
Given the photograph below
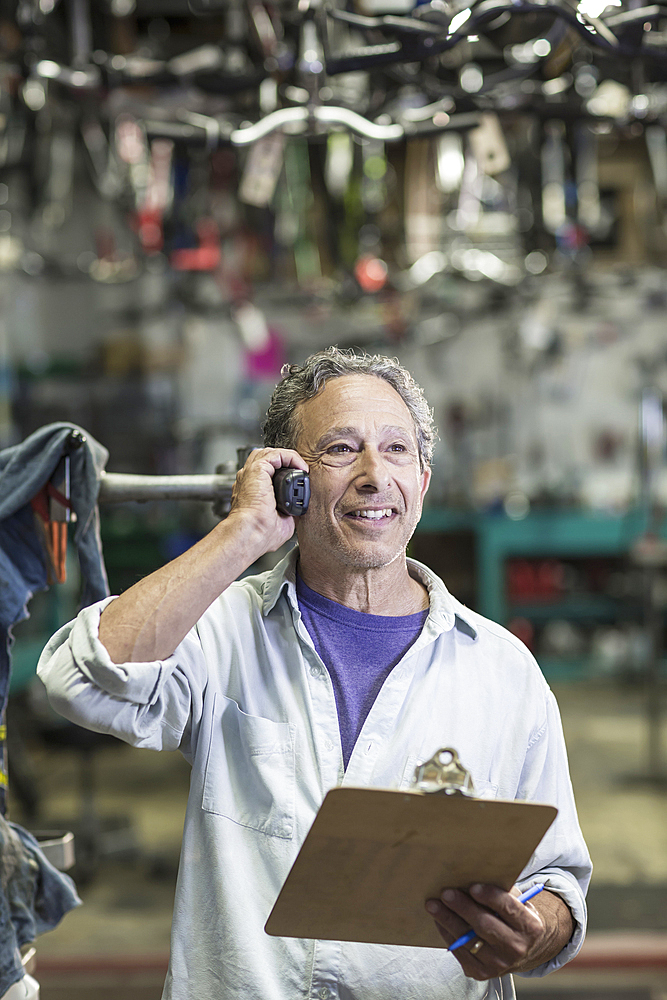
150, 619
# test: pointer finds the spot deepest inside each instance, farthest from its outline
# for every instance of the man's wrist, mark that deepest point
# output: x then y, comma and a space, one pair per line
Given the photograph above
246, 532
559, 926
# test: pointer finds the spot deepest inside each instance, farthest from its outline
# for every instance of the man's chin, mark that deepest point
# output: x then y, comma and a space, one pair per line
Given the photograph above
367, 556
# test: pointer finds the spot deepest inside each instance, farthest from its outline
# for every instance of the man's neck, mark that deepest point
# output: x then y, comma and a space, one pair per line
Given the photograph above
388, 590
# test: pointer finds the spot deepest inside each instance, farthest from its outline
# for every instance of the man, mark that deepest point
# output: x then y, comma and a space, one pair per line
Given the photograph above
347, 663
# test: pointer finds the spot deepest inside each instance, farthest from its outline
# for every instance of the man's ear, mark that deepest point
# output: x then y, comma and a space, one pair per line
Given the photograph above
426, 480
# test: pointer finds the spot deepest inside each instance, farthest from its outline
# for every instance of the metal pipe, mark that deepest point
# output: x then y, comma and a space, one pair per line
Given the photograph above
270, 123
119, 487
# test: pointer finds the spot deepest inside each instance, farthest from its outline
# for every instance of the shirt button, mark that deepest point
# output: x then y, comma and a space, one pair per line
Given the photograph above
328, 745
316, 672
324, 993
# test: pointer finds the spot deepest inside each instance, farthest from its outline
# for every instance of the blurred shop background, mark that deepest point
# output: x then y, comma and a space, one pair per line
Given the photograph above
194, 192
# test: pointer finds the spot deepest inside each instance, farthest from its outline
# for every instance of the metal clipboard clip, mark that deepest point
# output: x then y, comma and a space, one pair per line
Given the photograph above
443, 774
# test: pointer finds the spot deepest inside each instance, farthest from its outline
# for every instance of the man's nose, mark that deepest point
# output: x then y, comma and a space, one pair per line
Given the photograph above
373, 475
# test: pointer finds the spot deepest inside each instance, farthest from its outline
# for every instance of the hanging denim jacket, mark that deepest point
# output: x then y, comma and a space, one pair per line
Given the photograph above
24, 469
34, 898
35, 895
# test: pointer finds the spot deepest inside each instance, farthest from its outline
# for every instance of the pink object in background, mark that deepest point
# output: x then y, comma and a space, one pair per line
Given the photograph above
265, 362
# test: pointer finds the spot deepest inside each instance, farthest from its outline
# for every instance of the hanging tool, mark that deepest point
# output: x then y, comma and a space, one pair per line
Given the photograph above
53, 511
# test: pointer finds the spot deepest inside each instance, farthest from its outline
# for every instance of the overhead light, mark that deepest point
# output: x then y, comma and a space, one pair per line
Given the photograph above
48, 69
34, 94
542, 47
593, 8
471, 78
557, 85
79, 78
450, 162
536, 262
426, 266
459, 20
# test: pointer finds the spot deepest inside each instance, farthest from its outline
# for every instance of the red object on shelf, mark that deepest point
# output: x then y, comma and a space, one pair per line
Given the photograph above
205, 257
521, 582
148, 224
550, 578
535, 580
371, 273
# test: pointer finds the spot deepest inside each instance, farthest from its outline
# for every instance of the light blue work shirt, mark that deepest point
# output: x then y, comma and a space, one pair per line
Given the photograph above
249, 703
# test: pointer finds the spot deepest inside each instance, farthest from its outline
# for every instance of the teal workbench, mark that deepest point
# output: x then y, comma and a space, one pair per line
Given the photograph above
564, 534
543, 533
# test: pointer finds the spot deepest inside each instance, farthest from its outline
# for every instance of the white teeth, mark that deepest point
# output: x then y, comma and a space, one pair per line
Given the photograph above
374, 514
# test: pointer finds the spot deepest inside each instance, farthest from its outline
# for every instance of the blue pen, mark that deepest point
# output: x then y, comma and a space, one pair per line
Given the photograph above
469, 935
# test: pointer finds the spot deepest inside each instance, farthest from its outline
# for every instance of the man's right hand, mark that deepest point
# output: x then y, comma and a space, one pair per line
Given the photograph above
253, 497
149, 620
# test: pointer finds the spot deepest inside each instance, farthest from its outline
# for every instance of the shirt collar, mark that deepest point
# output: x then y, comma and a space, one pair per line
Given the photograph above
445, 611
281, 577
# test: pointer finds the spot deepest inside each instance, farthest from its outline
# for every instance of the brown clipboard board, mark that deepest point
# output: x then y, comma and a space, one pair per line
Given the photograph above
373, 857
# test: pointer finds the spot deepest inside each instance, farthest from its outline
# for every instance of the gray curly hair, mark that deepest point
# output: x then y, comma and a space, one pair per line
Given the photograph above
301, 382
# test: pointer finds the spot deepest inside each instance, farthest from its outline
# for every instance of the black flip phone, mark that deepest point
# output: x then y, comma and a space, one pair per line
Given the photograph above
292, 489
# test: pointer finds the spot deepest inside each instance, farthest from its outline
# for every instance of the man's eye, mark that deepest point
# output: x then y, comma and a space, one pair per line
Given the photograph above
339, 449
397, 447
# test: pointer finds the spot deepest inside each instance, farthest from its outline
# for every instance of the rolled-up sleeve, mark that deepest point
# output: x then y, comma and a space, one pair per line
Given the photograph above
561, 861
146, 704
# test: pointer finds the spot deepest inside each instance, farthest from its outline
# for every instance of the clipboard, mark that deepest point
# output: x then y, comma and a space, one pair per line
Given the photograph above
374, 856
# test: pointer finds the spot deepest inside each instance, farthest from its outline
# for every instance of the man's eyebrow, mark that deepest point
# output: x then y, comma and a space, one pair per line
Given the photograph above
336, 432
353, 432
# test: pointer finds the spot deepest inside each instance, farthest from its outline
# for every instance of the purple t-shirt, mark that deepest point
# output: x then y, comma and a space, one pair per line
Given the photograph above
358, 650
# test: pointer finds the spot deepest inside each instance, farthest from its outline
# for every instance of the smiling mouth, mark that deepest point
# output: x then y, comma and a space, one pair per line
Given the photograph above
364, 514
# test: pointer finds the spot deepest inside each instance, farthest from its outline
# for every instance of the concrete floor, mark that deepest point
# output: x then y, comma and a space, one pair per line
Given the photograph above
116, 944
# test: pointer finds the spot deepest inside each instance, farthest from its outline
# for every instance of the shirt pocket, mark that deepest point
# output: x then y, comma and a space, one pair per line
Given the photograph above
485, 789
250, 770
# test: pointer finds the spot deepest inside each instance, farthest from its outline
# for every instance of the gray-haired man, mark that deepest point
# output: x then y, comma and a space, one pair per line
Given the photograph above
347, 663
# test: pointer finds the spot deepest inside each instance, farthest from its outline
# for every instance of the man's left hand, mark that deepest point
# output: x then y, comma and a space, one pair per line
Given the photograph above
515, 937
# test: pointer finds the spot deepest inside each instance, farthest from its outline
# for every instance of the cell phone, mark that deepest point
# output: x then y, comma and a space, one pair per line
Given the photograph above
292, 489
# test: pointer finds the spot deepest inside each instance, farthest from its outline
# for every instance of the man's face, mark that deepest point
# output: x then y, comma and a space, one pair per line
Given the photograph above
367, 488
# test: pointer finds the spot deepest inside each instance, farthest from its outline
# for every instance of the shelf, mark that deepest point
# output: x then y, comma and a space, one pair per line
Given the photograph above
586, 607
542, 533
